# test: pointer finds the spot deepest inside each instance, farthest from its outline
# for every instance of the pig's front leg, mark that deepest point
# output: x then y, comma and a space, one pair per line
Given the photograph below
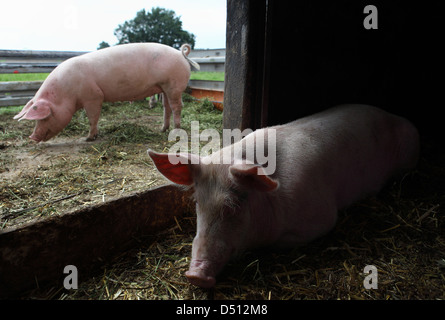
93, 114
172, 102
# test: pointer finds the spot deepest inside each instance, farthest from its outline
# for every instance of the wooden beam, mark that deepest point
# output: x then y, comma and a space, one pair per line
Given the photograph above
245, 64
37, 253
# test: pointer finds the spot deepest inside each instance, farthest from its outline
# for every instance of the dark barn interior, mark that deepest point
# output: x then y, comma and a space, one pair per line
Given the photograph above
288, 59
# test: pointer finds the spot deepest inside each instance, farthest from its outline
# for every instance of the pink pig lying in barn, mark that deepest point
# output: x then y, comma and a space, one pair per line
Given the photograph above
122, 73
324, 162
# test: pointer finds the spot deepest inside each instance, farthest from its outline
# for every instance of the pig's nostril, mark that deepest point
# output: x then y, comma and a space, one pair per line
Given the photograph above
200, 280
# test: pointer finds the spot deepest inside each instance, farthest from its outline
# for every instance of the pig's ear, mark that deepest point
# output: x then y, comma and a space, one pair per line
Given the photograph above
252, 176
176, 168
24, 110
38, 111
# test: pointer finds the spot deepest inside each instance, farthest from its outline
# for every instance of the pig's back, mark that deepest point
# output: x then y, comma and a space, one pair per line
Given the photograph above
136, 56
130, 71
344, 153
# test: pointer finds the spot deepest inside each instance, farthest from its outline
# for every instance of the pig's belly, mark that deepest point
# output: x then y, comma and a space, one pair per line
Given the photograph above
128, 86
130, 94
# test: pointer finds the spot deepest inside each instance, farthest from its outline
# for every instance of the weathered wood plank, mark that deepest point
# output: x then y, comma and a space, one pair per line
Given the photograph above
207, 85
19, 85
14, 101
27, 68
27, 54
86, 238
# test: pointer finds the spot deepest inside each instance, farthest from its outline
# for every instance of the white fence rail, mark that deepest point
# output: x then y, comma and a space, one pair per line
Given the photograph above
17, 93
26, 61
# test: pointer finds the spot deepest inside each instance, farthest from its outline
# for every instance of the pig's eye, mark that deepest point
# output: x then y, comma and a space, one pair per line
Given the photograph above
242, 196
239, 195
236, 198
229, 210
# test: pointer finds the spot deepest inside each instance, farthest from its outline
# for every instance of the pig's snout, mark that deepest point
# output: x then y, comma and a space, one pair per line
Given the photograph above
42, 134
200, 275
39, 134
35, 138
209, 255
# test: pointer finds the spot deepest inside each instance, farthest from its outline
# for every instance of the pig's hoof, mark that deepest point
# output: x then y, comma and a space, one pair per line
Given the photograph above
200, 280
164, 129
89, 139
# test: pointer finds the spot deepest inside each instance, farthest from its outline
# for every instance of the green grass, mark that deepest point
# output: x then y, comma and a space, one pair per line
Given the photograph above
23, 77
196, 75
203, 75
10, 110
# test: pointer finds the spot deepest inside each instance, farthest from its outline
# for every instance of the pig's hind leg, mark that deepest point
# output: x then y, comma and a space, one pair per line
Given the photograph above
174, 104
167, 114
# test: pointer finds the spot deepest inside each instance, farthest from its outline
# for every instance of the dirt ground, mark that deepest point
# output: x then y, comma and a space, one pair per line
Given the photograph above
400, 231
67, 172
38, 180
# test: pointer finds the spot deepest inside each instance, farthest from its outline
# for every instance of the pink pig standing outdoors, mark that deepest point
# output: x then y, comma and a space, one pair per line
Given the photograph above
121, 73
324, 163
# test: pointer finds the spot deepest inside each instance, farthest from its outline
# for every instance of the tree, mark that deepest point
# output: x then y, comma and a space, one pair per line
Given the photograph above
160, 25
102, 45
